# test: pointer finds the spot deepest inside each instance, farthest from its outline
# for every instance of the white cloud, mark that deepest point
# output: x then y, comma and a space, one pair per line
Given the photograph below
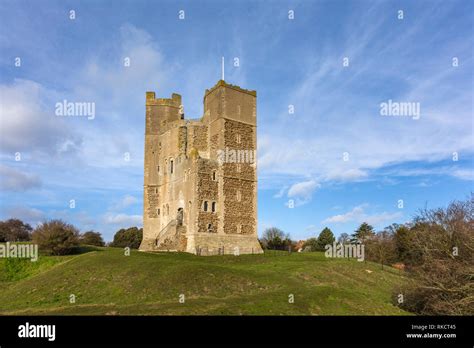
125, 202
303, 191
281, 192
464, 174
28, 121
358, 214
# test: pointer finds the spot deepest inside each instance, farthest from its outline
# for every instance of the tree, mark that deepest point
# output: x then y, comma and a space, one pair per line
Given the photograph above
92, 238
403, 239
443, 241
343, 238
276, 239
381, 248
363, 233
56, 237
130, 237
14, 230
325, 237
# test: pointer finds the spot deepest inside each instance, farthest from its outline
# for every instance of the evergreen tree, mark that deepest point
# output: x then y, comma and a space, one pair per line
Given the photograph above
364, 232
325, 237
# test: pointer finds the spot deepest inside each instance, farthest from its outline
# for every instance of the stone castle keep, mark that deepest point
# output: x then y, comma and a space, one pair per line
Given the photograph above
200, 184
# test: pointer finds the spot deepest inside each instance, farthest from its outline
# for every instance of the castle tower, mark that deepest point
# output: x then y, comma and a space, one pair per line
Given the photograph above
200, 180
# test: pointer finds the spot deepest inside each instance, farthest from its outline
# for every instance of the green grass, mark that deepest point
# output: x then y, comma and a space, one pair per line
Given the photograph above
105, 282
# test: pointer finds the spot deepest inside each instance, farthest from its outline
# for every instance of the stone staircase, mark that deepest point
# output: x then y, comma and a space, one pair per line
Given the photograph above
171, 238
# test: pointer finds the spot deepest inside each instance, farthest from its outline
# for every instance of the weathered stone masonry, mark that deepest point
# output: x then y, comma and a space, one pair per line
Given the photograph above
194, 201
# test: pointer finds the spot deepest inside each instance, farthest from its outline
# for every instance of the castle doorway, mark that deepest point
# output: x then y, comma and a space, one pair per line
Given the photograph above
180, 216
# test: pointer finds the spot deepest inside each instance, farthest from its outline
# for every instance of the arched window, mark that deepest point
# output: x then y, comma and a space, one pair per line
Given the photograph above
171, 166
205, 207
213, 207
214, 176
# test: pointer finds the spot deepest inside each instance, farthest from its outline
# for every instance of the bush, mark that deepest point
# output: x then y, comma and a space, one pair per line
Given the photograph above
92, 238
311, 244
14, 230
130, 237
56, 237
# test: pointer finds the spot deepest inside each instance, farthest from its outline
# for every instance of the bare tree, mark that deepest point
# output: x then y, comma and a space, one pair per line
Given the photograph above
444, 270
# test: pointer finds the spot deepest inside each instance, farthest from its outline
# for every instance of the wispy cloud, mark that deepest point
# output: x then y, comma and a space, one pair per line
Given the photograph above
15, 180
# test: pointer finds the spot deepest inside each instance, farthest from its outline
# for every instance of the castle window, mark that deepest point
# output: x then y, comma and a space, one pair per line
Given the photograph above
158, 169
205, 206
156, 190
213, 207
171, 166
209, 227
238, 196
214, 176
158, 211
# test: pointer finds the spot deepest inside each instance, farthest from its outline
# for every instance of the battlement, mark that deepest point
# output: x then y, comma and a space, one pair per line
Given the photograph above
222, 83
174, 101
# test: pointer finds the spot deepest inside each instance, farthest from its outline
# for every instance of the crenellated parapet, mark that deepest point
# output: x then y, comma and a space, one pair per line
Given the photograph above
174, 101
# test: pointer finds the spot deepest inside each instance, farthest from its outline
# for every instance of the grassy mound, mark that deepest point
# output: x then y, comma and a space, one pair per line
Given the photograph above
105, 281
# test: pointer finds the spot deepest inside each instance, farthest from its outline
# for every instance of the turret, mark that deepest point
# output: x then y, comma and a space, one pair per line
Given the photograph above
161, 111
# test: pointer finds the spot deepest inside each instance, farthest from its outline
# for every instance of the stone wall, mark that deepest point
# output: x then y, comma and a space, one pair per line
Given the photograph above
207, 190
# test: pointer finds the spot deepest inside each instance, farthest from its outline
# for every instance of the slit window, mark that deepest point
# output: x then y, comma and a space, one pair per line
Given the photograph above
213, 207
205, 207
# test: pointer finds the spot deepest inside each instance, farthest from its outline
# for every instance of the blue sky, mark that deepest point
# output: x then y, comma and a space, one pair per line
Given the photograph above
296, 62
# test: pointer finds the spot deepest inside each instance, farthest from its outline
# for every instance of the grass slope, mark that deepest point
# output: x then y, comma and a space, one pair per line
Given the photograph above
107, 282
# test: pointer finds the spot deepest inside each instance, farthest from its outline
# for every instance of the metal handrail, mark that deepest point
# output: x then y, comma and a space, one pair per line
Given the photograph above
163, 229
